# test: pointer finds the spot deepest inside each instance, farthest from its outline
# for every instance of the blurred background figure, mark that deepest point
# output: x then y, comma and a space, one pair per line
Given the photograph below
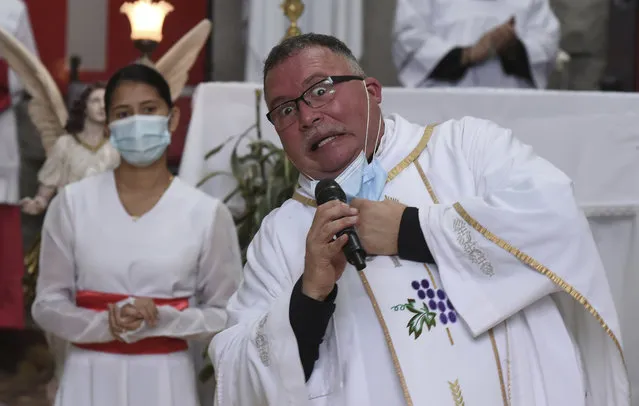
479, 43
266, 25
584, 36
14, 19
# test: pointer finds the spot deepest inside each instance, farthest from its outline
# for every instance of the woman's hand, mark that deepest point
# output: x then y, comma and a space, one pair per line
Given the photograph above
131, 316
123, 320
146, 309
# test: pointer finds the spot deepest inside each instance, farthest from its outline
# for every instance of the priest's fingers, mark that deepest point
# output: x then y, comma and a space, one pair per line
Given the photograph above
331, 229
335, 247
332, 210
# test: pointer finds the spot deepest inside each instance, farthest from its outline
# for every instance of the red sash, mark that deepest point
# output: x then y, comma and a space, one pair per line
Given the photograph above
99, 301
5, 94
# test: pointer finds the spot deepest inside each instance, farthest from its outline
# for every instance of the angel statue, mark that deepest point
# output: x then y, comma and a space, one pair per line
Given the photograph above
79, 149
74, 141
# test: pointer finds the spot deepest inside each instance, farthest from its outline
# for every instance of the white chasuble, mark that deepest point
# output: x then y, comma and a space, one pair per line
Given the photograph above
517, 311
436, 358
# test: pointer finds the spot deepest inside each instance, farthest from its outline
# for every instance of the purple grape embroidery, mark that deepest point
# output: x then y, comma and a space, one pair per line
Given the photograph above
438, 306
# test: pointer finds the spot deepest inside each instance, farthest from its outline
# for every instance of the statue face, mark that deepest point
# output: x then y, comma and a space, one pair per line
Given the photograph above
95, 106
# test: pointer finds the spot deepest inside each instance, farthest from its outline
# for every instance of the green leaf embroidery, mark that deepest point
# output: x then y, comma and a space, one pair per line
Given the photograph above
421, 317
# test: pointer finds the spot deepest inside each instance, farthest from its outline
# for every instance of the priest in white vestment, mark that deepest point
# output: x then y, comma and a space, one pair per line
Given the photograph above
476, 43
267, 26
482, 285
14, 18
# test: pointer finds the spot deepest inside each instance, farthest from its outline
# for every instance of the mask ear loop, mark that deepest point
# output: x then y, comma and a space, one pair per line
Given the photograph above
368, 115
379, 130
379, 124
300, 171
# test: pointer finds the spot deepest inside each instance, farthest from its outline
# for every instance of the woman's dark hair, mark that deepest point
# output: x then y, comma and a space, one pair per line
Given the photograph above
137, 73
78, 112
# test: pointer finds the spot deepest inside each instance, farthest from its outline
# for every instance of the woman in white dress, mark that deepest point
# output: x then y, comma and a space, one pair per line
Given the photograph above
135, 263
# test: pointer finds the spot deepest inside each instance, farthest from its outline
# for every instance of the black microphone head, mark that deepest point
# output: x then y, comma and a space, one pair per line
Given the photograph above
329, 189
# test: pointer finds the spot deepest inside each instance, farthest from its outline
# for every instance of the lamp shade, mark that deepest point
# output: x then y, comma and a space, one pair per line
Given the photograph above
146, 18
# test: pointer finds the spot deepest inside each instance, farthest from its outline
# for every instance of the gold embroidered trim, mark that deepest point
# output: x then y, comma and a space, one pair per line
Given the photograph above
432, 278
450, 336
422, 174
456, 391
534, 264
303, 199
505, 397
428, 132
499, 370
387, 337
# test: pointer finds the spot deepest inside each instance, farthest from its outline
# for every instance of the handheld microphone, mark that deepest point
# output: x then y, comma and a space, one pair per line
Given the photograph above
326, 190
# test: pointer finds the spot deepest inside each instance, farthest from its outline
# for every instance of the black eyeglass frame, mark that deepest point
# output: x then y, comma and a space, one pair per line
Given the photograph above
337, 79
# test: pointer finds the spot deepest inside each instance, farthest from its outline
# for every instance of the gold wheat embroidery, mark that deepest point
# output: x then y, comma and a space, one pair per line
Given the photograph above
455, 390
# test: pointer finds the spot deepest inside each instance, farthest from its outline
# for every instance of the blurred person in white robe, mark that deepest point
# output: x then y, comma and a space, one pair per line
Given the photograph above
266, 26
482, 285
134, 263
14, 18
475, 43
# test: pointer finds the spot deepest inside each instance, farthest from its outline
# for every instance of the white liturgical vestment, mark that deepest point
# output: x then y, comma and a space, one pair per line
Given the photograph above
426, 30
516, 311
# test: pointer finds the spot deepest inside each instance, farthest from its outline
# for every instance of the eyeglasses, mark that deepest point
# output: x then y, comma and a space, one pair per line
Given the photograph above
318, 95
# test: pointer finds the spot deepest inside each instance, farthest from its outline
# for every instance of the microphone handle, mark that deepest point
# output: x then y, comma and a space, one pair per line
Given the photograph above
353, 250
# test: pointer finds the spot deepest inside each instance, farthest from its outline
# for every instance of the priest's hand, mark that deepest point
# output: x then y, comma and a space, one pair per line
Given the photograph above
504, 36
325, 262
378, 225
480, 51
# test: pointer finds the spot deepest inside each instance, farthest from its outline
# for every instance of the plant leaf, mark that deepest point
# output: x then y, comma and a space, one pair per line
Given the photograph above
217, 149
230, 195
206, 373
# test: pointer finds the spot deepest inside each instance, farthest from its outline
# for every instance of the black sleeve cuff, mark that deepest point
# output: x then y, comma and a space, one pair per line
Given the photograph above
309, 319
514, 61
411, 244
450, 68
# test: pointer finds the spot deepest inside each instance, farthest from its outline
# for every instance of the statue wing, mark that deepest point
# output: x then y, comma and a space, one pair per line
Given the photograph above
46, 108
178, 61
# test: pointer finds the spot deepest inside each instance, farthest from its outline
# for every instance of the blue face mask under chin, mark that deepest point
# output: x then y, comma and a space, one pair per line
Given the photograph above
140, 139
361, 179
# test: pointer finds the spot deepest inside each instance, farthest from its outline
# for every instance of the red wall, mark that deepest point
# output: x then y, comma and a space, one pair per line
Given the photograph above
51, 37
49, 18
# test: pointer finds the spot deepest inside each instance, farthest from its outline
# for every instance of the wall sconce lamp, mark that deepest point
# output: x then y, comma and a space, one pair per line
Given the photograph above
146, 18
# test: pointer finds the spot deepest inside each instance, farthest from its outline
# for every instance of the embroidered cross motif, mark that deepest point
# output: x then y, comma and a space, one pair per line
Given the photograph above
261, 342
469, 245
